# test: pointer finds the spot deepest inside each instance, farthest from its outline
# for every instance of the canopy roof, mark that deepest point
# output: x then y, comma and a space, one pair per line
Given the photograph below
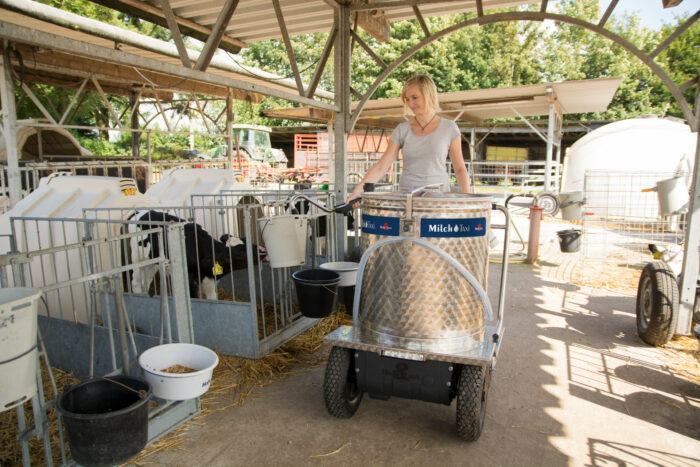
569, 97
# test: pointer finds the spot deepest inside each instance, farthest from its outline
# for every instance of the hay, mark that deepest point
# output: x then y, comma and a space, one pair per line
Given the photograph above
236, 379
683, 357
608, 276
178, 369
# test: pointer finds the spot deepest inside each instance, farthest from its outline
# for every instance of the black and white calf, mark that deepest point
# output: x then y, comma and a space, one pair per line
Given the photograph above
208, 259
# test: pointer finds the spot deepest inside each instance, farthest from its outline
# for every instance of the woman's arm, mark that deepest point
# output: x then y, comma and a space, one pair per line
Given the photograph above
378, 170
458, 165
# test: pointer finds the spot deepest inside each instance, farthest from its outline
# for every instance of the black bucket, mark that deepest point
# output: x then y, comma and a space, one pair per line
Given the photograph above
106, 419
348, 294
317, 290
569, 240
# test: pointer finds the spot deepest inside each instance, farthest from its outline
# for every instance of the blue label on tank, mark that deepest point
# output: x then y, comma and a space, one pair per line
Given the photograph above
380, 225
473, 227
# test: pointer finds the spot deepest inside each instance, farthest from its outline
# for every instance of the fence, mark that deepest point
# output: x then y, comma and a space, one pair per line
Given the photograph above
86, 325
251, 311
621, 220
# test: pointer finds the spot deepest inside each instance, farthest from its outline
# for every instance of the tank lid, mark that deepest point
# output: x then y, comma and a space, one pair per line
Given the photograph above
448, 197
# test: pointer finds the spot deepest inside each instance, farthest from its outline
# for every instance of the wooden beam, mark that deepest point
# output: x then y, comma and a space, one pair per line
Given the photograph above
368, 49
679, 30
421, 21
321, 65
175, 31
148, 12
608, 12
217, 33
479, 8
71, 66
288, 46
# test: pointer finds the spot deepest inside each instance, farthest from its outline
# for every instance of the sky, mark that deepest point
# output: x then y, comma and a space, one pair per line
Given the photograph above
652, 12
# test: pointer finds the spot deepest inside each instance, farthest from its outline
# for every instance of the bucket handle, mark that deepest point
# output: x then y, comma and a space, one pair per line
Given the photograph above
17, 357
141, 392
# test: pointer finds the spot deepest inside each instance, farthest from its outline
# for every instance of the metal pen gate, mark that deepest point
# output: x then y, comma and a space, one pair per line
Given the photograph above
77, 266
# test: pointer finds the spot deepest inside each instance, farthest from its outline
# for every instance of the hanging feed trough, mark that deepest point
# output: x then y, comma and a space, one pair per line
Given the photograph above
285, 240
317, 290
106, 419
18, 353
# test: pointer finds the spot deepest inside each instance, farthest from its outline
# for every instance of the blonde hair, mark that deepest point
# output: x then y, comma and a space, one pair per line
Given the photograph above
427, 87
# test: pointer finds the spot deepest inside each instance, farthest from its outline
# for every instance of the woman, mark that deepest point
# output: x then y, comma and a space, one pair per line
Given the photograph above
426, 140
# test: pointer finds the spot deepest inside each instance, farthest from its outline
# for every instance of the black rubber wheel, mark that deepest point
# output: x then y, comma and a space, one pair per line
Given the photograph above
472, 391
657, 303
549, 202
340, 390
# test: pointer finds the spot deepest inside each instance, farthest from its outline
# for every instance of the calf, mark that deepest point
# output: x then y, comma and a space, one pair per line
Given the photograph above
208, 259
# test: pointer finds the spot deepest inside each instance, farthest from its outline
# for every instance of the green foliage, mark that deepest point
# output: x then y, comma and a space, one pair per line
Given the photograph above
475, 57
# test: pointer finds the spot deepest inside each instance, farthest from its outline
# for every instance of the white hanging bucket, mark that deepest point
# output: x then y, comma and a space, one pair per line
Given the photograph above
178, 386
673, 196
18, 353
346, 269
571, 205
285, 240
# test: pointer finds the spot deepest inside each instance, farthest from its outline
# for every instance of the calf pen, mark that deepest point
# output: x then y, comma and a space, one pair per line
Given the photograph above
255, 311
97, 338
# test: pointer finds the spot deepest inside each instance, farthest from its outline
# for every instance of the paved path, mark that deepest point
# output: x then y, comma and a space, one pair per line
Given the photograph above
573, 385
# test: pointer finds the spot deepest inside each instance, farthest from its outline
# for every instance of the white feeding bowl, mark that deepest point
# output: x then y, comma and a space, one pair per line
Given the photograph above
346, 269
178, 386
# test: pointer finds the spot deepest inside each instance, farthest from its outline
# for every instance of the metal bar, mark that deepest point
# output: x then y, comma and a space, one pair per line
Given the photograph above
342, 124
534, 128
688, 84
180, 282
421, 21
368, 49
175, 31
548, 160
9, 120
288, 46
201, 111
689, 274
162, 113
608, 12
34, 37
106, 101
674, 35
321, 65
524, 16
37, 103
216, 34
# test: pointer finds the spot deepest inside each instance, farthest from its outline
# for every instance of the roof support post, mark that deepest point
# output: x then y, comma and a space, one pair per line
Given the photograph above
689, 273
135, 135
9, 118
342, 117
229, 128
550, 138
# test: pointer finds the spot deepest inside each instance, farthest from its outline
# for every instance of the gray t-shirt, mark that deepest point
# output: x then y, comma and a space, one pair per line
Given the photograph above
424, 156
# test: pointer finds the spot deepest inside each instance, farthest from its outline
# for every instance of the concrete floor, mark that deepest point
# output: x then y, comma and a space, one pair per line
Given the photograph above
573, 385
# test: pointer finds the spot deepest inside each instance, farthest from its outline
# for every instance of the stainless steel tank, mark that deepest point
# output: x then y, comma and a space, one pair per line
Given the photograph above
411, 297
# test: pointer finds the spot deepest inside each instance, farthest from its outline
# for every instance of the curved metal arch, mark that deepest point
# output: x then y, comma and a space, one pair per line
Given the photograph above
203, 114
534, 16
